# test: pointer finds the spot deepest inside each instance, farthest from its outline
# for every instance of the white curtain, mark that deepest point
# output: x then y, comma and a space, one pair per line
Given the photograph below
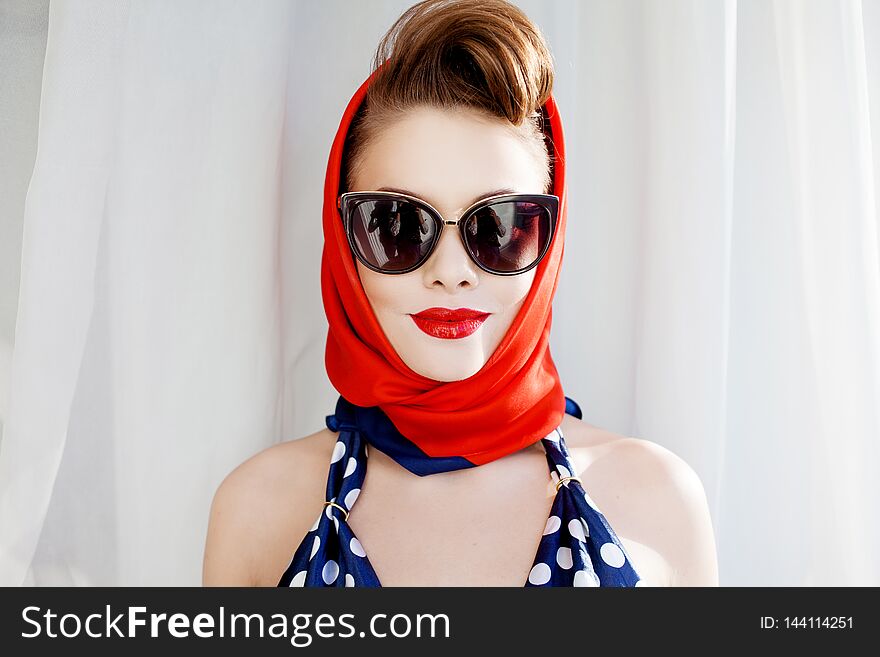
161, 171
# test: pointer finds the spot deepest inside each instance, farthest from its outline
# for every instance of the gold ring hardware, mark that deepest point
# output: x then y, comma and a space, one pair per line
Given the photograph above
338, 507
564, 479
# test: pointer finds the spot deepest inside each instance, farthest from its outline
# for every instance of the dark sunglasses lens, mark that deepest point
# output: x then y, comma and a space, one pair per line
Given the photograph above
391, 235
509, 236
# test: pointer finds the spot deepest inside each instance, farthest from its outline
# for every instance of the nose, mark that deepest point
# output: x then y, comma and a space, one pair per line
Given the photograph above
450, 266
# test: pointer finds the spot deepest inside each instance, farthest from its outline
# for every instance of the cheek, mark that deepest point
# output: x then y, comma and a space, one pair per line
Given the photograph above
386, 293
511, 291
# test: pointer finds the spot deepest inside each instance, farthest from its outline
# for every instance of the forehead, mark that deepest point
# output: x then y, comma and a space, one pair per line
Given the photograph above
449, 158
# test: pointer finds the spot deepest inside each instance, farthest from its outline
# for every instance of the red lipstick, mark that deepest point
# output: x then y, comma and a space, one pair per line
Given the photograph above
448, 323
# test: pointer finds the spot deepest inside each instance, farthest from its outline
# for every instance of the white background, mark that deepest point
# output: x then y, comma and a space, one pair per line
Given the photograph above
161, 176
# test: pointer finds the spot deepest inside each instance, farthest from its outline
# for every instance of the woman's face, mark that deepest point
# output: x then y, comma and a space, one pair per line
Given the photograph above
449, 159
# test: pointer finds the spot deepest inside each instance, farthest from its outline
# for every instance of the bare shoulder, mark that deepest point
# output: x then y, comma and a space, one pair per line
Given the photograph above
263, 508
650, 495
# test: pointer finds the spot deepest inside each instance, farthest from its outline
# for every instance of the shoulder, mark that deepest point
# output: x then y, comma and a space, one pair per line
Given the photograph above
651, 495
262, 508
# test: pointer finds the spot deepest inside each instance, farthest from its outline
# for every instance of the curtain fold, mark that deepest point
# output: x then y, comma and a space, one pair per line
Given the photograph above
147, 353
822, 70
62, 222
720, 294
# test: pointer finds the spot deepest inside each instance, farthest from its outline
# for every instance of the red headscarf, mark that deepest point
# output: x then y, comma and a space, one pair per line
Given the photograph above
512, 402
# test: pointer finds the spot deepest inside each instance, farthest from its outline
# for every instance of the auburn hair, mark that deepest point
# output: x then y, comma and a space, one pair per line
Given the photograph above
483, 55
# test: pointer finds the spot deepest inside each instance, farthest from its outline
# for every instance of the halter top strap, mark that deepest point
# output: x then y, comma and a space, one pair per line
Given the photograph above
577, 547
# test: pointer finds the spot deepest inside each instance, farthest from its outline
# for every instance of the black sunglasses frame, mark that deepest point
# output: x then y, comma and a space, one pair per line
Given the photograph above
347, 201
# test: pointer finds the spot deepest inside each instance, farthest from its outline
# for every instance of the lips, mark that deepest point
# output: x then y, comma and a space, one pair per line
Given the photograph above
449, 323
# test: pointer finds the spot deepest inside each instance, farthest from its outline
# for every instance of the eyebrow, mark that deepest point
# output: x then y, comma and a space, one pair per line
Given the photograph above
504, 190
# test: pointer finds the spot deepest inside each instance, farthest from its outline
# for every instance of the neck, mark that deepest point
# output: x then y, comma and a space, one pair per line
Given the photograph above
492, 478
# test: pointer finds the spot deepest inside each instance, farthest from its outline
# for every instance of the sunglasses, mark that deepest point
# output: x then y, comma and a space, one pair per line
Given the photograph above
394, 233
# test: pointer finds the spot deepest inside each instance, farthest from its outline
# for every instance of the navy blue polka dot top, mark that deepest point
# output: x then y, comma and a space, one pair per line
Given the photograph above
577, 548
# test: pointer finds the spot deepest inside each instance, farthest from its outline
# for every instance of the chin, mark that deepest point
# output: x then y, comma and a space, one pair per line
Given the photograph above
456, 366
439, 359
447, 377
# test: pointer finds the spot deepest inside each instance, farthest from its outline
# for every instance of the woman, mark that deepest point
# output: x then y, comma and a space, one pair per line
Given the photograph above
444, 224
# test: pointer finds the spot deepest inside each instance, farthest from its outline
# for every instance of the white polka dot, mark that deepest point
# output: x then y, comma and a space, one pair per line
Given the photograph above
576, 529
553, 436
349, 580
351, 467
563, 557
336, 524
357, 548
330, 571
338, 452
590, 501
328, 510
585, 578
563, 471
317, 522
612, 555
553, 523
351, 497
315, 545
585, 526
585, 557
540, 574
299, 579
